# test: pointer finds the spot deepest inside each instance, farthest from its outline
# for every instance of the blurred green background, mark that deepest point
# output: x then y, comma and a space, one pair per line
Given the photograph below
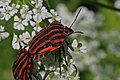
102, 40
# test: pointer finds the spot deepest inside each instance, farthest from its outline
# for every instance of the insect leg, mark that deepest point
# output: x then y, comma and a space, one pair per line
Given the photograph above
64, 54
69, 45
37, 78
60, 61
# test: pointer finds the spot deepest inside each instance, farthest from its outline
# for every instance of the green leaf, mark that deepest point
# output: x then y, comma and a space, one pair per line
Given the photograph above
65, 67
52, 74
74, 73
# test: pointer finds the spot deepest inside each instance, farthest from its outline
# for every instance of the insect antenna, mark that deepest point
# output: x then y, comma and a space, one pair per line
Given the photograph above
76, 17
78, 32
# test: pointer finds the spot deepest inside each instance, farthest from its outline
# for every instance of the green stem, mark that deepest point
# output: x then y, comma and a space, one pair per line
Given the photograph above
28, 1
48, 4
24, 2
18, 1
101, 5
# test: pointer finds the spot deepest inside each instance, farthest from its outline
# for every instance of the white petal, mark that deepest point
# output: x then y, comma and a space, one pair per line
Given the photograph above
17, 6
16, 18
26, 34
43, 10
58, 18
75, 43
26, 37
4, 35
50, 20
25, 22
7, 17
42, 73
52, 11
16, 46
32, 23
14, 38
34, 11
23, 45
83, 49
21, 37
15, 25
48, 15
19, 26
37, 18
11, 13
39, 62
2, 29
33, 2
33, 34
39, 4
37, 28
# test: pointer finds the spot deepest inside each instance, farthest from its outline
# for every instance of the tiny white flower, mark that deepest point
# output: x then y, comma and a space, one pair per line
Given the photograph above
17, 42
54, 16
35, 24
14, 9
5, 11
38, 3
4, 3
27, 37
45, 13
42, 13
26, 13
83, 49
37, 18
19, 23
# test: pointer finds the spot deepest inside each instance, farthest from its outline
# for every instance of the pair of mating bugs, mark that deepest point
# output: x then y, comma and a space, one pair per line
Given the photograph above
45, 41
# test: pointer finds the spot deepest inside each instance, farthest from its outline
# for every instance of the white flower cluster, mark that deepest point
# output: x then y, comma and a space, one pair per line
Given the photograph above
7, 10
3, 34
34, 16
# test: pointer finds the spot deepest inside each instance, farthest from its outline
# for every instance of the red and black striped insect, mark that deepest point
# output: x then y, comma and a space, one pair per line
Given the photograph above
50, 38
47, 40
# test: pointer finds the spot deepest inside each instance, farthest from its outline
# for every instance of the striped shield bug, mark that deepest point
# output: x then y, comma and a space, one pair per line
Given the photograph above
50, 38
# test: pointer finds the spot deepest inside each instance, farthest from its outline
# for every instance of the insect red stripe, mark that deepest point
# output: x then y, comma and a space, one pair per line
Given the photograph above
21, 63
25, 75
